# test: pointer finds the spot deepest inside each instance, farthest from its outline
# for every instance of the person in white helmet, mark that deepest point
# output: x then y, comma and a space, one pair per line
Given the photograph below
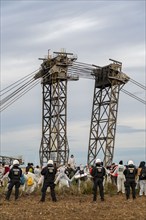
98, 172
14, 175
49, 177
130, 174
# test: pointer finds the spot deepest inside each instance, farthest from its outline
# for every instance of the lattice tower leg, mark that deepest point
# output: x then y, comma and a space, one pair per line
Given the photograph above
103, 124
54, 143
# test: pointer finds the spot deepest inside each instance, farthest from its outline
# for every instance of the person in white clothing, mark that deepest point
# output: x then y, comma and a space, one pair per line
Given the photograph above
71, 162
62, 178
31, 182
2, 170
120, 177
37, 172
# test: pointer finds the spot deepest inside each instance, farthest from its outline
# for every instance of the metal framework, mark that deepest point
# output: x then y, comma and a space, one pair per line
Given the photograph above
55, 72
9, 160
108, 82
54, 144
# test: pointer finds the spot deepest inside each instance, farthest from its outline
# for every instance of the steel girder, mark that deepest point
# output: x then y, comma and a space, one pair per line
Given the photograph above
108, 82
103, 124
54, 138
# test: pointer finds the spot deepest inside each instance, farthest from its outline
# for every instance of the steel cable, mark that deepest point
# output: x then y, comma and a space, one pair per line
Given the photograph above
18, 82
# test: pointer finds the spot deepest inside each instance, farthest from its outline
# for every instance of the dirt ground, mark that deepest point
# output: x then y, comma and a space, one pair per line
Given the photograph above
72, 207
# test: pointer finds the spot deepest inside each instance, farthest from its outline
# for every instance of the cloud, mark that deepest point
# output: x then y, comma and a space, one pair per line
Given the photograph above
128, 129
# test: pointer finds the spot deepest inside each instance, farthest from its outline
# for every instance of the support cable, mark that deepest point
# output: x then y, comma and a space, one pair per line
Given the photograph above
25, 90
133, 96
17, 97
16, 91
138, 84
18, 82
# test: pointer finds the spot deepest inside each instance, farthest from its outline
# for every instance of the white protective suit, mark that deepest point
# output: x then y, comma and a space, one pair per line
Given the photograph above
30, 189
62, 178
120, 178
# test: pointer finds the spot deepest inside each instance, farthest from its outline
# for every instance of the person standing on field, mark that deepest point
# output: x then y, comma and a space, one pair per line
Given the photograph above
98, 172
71, 162
14, 175
130, 174
142, 178
49, 177
120, 177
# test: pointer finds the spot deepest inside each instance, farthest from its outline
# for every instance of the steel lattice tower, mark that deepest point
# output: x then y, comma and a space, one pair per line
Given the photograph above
54, 143
108, 82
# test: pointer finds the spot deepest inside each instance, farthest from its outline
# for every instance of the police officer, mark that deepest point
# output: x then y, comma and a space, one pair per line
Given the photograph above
98, 173
14, 175
130, 173
49, 177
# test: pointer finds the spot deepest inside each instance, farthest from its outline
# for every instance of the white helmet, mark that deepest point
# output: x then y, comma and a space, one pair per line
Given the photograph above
50, 162
130, 162
15, 162
98, 161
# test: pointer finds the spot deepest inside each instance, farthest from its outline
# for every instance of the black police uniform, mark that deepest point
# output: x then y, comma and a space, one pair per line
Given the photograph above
14, 175
98, 173
130, 173
49, 176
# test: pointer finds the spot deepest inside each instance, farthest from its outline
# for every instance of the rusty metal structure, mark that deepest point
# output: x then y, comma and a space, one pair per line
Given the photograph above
108, 82
9, 160
54, 144
55, 72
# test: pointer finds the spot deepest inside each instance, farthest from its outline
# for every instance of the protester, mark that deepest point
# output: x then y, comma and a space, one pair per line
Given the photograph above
71, 162
2, 171
62, 178
37, 172
120, 177
142, 178
113, 174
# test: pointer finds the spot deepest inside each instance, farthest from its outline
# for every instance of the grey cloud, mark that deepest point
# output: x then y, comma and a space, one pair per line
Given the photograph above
128, 129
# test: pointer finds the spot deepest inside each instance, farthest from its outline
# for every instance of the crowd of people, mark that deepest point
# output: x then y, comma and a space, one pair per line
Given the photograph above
127, 178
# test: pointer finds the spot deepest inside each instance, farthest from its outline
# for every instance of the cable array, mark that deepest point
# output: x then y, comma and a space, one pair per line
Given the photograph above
134, 96
83, 70
22, 86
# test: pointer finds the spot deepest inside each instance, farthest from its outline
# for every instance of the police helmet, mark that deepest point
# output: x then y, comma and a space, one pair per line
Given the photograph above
15, 162
98, 161
50, 162
130, 162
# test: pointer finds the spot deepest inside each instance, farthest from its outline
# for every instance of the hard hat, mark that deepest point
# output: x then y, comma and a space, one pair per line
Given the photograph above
130, 162
50, 162
15, 162
98, 161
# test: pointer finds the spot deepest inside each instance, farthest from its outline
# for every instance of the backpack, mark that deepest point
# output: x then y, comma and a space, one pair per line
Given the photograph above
30, 181
143, 172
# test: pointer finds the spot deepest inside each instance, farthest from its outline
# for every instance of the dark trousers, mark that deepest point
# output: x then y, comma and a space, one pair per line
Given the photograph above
130, 184
52, 189
98, 183
10, 187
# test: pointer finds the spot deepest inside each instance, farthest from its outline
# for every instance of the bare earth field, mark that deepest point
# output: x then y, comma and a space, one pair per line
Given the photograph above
72, 207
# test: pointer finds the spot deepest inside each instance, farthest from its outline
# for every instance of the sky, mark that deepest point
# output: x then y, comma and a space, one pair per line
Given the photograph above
93, 30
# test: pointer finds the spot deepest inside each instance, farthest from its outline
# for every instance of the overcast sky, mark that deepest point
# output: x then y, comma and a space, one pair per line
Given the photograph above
95, 31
